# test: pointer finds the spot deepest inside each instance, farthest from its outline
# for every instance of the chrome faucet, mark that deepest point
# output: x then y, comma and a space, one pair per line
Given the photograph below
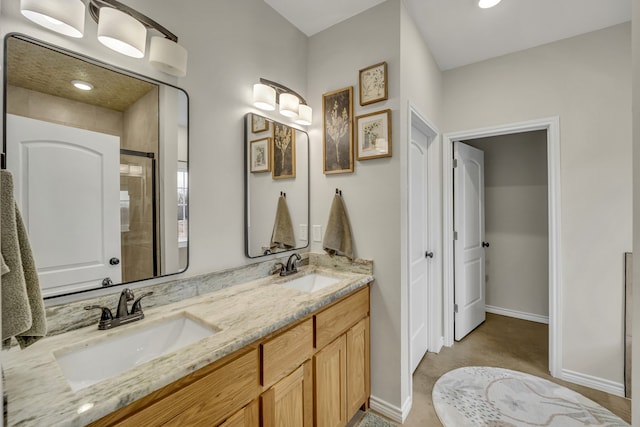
291, 266
123, 316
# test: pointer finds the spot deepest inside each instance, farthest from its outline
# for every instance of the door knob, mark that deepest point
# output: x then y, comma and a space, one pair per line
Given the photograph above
107, 281
485, 244
429, 254
114, 261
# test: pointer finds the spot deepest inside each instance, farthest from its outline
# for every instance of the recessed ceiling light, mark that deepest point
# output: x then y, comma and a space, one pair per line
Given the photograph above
486, 4
82, 85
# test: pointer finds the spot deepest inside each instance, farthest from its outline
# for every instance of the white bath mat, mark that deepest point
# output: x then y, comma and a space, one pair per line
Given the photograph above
495, 397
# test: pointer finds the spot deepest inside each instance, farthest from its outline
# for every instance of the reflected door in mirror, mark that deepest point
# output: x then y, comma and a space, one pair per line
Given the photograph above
66, 185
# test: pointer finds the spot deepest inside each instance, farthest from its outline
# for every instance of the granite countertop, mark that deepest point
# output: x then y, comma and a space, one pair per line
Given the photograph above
39, 395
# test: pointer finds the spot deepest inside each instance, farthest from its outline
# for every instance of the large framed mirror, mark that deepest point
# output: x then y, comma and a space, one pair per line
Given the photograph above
276, 187
100, 176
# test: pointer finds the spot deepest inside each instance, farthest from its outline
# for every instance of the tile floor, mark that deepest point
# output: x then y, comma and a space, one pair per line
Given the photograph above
502, 342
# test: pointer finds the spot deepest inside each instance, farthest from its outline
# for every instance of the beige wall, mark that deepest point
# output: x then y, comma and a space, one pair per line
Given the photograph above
335, 56
586, 81
41, 106
516, 223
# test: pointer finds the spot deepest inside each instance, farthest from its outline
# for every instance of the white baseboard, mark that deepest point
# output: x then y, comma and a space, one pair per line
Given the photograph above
601, 384
394, 413
517, 314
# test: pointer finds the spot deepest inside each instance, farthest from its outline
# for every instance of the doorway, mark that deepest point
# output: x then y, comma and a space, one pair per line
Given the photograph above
551, 126
423, 244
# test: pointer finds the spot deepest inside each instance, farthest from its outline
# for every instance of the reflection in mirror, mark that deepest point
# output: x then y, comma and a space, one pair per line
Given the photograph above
276, 187
100, 175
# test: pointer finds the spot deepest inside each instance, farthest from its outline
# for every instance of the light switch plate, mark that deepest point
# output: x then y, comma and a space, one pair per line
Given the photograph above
317, 233
304, 232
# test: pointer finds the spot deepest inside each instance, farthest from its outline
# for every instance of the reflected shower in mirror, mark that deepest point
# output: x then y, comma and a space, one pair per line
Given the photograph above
276, 187
100, 175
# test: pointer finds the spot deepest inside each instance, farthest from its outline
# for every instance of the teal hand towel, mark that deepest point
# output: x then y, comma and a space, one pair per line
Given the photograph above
23, 314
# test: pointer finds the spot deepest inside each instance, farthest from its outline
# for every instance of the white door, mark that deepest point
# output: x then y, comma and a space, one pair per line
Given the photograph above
419, 253
73, 223
469, 259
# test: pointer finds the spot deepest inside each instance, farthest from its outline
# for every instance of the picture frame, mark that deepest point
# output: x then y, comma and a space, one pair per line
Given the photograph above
337, 131
259, 123
373, 132
283, 153
373, 84
260, 159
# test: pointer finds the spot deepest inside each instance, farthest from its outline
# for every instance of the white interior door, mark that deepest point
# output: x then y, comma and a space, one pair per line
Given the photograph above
469, 258
67, 185
419, 253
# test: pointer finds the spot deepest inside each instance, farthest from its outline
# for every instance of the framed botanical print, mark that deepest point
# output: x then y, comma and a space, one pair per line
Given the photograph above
284, 152
373, 132
260, 155
337, 119
373, 84
259, 123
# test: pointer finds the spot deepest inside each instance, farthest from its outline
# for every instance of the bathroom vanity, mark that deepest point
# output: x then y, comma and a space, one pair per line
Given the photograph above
276, 355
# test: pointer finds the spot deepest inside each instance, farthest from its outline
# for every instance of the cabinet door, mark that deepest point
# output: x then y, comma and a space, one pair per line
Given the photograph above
357, 367
249, 416
330, 383
289, 403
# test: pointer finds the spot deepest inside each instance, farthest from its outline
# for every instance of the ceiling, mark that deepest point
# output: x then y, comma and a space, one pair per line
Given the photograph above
459, 33
37, 68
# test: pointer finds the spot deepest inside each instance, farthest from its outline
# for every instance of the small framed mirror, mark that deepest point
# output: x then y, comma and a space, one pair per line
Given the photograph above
276, 187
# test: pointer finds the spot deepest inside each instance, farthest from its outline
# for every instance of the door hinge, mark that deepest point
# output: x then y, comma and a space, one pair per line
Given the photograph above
455, 163
455, 308
455, 235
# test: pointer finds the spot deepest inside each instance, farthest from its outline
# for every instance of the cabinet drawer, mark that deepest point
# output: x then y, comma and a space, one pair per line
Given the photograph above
207, 401
341, 316
285, 352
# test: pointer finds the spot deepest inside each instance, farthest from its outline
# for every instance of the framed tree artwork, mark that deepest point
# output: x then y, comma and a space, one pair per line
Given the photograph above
260, 156
373, 84
373, 132
337, 125
283, 152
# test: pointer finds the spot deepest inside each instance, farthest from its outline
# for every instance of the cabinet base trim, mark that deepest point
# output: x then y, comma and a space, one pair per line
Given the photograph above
394, 413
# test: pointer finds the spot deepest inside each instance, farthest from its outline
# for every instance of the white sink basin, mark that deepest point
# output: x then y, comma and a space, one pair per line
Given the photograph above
101, 359
311, 282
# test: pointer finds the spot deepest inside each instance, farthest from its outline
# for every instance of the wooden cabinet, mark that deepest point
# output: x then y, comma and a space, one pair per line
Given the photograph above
286, 351
335, 320
358, 385
342, 377
290, 401
249, 416
201, 399
312, 373
330, 366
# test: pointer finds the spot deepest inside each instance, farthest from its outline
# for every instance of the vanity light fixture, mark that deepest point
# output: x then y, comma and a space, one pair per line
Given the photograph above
121, 32
62, 16
289, 105
267, 94
304, 115
82, 85
264, 97
120, 28
486, 4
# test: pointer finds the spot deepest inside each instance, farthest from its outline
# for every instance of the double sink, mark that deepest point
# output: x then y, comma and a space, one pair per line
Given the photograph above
102, 358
